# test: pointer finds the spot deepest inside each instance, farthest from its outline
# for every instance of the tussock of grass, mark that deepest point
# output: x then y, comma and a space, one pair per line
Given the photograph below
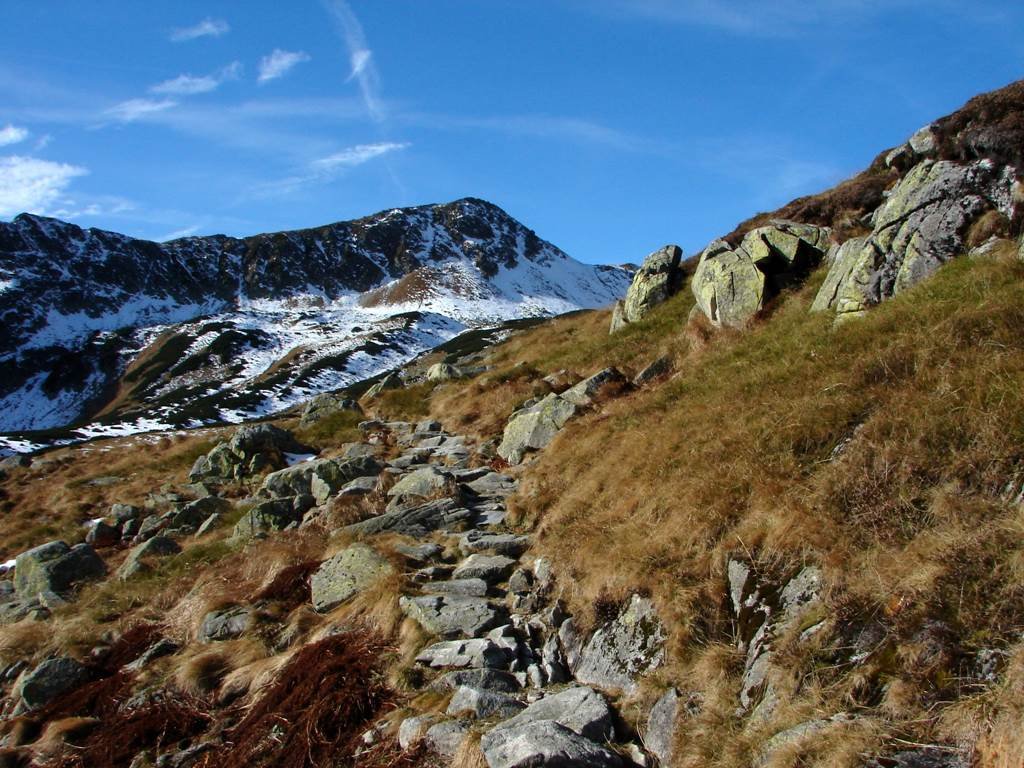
332, 431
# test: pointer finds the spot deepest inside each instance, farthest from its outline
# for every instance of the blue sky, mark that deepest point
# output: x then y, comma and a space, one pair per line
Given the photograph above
611, 127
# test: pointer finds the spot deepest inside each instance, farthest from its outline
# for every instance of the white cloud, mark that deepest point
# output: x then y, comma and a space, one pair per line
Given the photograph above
33, 185
184, 232
12, 134
188, 85
279, 62
206, 28
136, 109
360, 57
43, 142
357, 155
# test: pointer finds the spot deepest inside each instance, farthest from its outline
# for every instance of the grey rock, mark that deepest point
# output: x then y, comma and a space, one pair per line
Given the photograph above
493, 484
50, 679
158, 546
150, 526
225, 624
416, 520
462, 654
254, 448
520, 582
660, 734
211, 523
446, 738
534, 428
440, 372
923, 142
325, 405
571, 641
346, 574
591, 388
195, 512
653, 371
508, 544
361, 486
420, 553
624, 649
275, 515
159, 649
390, 381
464, 587
546, 744
55, 567
927, 757
122, 513
482, 703
482, 678
490, 568
319, 478
102, 534
425, 482
581, 709
450, 616
797, 733
412, 730
657, 279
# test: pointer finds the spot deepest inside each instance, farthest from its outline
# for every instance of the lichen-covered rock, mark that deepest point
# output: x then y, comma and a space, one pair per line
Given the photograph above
102, 534
660, 734
158, 546
731, 285
390, 381
252, 449
580, 709
451, 616
544, 744
653, 371
441, 372
535, 427
325, 405
423, 483
482, 703
225, 624
655, 282
319, 478
922, 224
275, 515
591, 388
490, 568
55, 567
482, 678
346, 574
476, 653
446, 738
624, 649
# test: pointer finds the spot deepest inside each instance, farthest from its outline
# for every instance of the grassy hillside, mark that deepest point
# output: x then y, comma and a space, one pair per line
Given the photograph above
887, 451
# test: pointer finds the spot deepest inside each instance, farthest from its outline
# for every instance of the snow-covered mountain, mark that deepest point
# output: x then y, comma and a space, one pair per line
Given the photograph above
116, 334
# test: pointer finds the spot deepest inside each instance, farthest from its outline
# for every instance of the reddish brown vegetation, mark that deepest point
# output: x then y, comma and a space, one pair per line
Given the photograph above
314, 712
290, 587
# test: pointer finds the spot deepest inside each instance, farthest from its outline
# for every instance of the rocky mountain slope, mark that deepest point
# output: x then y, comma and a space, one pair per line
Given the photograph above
205, 328
750, 527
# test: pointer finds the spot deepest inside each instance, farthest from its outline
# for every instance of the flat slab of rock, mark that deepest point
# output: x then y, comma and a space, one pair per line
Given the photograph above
417, 520
422, 483
344, 575
224, 624
482, 678
546, 744
49, 680
490, 568
624, 649
508, 544
464, 654
661, 727
464, 587
482, 703
446, 738
452, 616
580, 709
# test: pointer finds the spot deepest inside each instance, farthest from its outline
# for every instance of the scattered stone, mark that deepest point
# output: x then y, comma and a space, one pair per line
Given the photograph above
159, 649
324, 405
490, 568
592, 388
344, 575
446, 738
927, 757
224, 624
213, 521
417, 520
158, 546
440, 372
150, 526
482, 678
581, 709
535, 427
420, 553
500, 543
102, 534
462, 654
425, 482
451, 616
267, 516
55, 567
482, 704
544, 743
251, 450
463, 587
796, 734
122, 513
195, 512
624, 649
654, 371
48, 680
492, 484
361, 486
390, 381
661, 727
412, 730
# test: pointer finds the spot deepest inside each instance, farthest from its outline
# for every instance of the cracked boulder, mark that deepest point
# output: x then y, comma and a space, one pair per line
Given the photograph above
658, 278
625, 649
345, 575
544, 743
55, 568
732, 284
534, 427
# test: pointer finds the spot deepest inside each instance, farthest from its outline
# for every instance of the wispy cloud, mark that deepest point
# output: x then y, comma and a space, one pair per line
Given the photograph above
329, 167
360, 56
279, 63
183, 232
206, 28
189, 85
357, 155
137, 109
12, 134
33, 185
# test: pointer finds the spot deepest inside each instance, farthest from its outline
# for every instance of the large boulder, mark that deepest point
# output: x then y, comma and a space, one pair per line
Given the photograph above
326, 405
657, 279
451, 616
319, 478
533, 428
422, 483
546, 744
482, 703
580, 709
922, 224
48, 680
346, 574
55, 568
476, 653
274, 515
732, 284
622, 650
441, 372
251, 450
158, 546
